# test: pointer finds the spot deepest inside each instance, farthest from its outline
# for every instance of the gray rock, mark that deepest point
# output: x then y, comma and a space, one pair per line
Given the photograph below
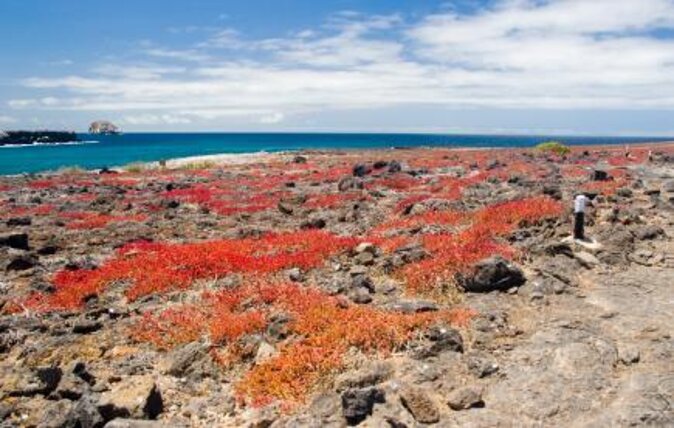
346, 183
362, 281
629, 355
134, 397
42, 380
465, 398
494, 273
86, 326
394, 166
420, 405
285, 208
412, 306
85, 414
21, 262
599, 175
365, 247
295, 275
481, 365
361, 170
357, 404
179, 361
443, 338
365, 259
648, 232
369, 375
553, 191
19, 221
586, 259
17, 241
360, 295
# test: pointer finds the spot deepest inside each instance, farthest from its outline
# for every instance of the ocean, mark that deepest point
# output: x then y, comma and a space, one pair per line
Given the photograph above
97, 151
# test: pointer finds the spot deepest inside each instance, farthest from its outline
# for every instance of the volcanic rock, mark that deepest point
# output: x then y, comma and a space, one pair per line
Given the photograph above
135, 397
103, 127
465, 398
357, 404
420, 405
494, 273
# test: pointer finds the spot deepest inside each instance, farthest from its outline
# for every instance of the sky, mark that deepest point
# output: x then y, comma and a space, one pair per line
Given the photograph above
566, 67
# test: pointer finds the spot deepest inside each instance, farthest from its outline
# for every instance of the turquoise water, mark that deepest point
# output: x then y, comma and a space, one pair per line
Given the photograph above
119, 150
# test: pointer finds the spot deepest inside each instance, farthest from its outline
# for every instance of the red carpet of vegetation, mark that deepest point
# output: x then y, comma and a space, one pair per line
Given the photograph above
322, 328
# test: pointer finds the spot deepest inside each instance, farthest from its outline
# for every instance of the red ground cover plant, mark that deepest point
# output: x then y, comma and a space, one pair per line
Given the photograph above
150, 268
321, 331
454, 254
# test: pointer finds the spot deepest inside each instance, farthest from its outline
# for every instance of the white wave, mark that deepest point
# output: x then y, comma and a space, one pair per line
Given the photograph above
70, 143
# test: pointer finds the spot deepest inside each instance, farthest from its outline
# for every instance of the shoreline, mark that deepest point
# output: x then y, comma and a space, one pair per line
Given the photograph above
266, 156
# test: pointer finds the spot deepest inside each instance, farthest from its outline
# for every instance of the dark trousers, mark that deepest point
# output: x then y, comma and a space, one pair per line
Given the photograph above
579, 226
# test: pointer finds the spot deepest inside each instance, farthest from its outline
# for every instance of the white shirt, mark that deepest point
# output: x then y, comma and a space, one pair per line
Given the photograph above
579, 204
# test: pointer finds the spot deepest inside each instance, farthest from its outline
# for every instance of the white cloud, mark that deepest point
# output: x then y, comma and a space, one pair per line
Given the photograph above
7, 120
272, 118
182, 55
564, 54
156, 119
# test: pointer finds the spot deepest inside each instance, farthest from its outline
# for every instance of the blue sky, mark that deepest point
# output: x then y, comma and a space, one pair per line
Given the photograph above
507, 66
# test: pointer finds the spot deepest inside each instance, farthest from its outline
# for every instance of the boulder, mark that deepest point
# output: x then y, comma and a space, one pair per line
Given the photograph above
21, 262
357, 404
648, 232
481, 365
420, 405
465, 398
553, 191
360, 296
42, 380
179, 361
19, 221
315, 223
370, 375
346, 183
285, 208
599, 175
17, 241
361, 170
362, 281
494, 273
134, 397
444, 338
394, 166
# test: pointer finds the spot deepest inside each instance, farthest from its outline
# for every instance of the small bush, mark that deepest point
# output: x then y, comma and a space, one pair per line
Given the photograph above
197, 165
553, 147
71, 170
135, 167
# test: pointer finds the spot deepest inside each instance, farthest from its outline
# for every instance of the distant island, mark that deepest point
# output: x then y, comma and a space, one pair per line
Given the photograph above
103, 127
8, 138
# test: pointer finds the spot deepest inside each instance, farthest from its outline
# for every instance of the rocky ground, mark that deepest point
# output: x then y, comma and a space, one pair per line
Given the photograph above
512, 326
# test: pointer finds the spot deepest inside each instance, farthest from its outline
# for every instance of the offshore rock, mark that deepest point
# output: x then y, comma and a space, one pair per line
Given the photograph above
103, 127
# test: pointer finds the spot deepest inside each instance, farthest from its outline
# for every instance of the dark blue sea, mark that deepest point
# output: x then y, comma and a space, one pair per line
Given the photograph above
98, 151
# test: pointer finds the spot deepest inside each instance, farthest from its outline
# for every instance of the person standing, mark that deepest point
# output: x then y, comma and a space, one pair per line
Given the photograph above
579, 217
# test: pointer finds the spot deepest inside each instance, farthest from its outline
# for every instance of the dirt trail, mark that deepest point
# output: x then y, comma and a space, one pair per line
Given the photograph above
601, 354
